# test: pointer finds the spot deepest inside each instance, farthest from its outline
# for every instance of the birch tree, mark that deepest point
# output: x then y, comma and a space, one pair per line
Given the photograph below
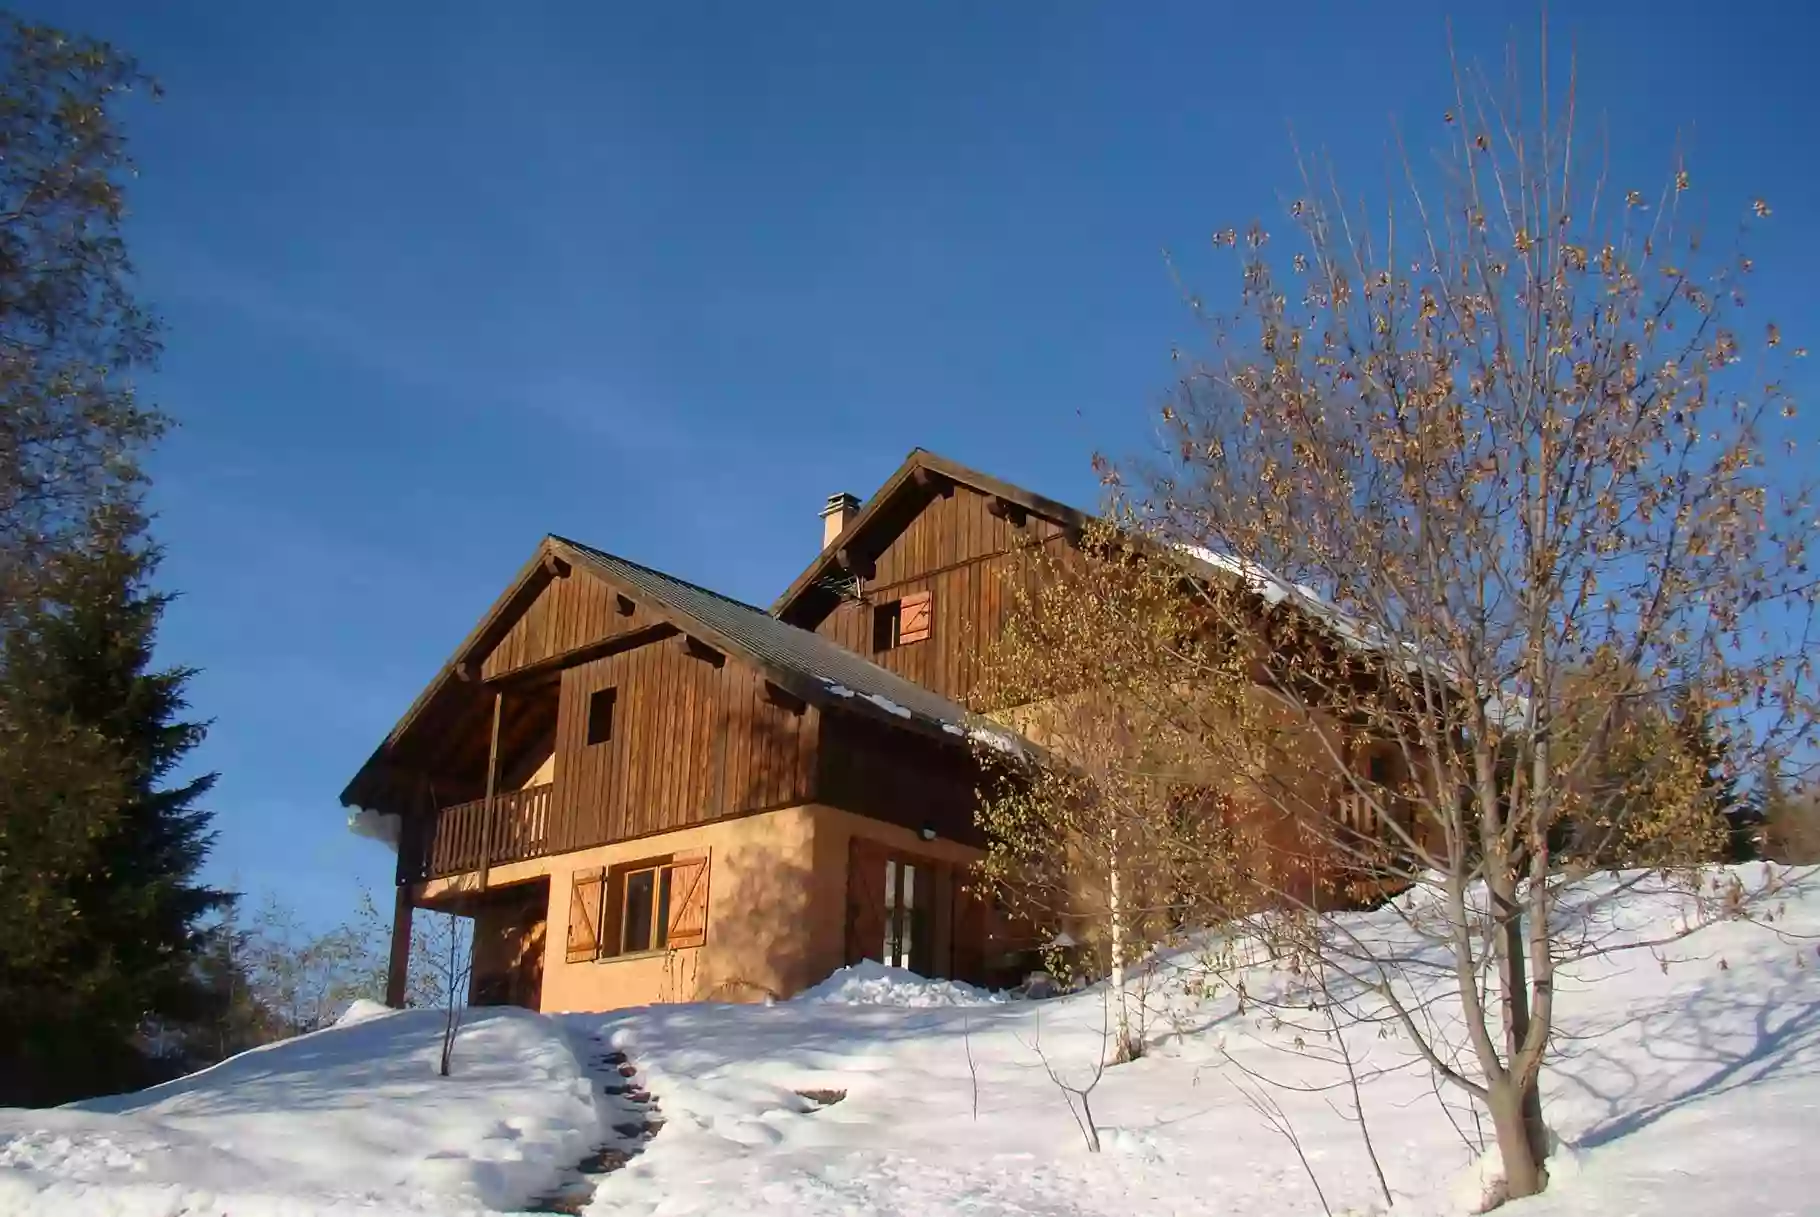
1104, 834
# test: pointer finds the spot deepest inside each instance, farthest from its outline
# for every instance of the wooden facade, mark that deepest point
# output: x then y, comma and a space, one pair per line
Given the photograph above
968, 561
568, 615
600, 703
693, 739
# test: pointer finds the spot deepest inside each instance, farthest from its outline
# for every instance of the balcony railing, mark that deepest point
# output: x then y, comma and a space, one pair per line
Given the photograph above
464, 837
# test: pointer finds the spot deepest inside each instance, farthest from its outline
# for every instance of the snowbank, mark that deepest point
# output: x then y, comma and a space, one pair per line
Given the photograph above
361, 1010
353, 1119
870, 983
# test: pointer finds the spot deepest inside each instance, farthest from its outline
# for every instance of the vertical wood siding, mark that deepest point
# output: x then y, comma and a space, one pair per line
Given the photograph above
691, 742
568, 613
968, 560
898, 776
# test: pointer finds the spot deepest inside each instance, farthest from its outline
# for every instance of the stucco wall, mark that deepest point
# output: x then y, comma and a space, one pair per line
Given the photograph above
761, 881
777, 908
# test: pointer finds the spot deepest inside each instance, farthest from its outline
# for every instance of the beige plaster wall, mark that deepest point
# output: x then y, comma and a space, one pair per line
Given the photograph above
761, 879
777, 908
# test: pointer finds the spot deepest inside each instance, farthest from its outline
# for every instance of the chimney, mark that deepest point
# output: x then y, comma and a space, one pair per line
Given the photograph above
836, 515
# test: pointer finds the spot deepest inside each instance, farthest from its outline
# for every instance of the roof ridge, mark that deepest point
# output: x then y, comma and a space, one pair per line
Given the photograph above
661, 574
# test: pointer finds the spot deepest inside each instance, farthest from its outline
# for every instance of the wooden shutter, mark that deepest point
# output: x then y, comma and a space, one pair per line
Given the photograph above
688, 901
865, 900
585, 900
915, 613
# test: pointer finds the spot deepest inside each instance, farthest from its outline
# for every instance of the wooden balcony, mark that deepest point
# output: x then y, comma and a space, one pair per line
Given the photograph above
464, 837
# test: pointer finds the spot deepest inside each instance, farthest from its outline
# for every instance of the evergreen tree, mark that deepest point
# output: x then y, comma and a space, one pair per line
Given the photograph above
125, 905
1701, 747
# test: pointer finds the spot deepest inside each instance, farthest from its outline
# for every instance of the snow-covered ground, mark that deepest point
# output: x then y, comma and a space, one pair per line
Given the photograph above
1688, 1081
349, 1120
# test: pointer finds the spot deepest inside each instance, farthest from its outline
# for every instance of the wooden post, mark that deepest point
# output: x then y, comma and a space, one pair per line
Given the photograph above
486, 823
399, 966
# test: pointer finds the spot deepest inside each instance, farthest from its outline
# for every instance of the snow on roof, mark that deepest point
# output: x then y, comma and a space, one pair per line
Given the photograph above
1510, 710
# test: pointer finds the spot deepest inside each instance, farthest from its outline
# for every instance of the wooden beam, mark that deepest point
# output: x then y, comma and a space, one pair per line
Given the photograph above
486, 822
398, 966
467, 670
558, 568
695, 648
782, 698
543, 669
624, 605
1002, 508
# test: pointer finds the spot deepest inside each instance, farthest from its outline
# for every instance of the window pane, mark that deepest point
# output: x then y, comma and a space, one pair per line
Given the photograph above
906, 919
890, 952
637, 933
661, 931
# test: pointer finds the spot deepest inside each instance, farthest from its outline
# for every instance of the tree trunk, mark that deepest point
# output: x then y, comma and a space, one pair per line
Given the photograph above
1121, 1018
1515, 1099
1516, 1114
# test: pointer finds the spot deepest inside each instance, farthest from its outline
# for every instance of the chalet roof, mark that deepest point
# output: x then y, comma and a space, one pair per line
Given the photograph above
800, 662
889, 509
813, 667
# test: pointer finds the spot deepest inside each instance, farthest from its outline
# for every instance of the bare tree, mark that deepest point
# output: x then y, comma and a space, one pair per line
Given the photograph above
1455, 499
1078, 1094
1277, 1120
303, 976
445, 948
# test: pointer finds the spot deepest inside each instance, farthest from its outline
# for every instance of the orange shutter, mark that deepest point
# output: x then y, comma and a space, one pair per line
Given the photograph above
688, 902
914, 617
584, 914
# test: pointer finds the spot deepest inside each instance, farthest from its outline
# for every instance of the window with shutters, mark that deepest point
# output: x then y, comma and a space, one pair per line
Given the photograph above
656, 904
902, 622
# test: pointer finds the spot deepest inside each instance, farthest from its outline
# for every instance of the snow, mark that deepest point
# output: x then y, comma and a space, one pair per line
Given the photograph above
1509, 709
1687, 1081
375, 826
361, 1010
1670, 1081
353, 1119
870, 983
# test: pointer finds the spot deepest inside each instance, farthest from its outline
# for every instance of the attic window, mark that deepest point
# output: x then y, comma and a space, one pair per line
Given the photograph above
600, 715
901, 622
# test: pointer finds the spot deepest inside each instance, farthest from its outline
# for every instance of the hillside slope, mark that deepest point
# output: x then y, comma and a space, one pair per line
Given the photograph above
1688, 1081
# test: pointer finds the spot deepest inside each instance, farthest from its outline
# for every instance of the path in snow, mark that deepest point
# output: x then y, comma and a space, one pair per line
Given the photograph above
628, 1118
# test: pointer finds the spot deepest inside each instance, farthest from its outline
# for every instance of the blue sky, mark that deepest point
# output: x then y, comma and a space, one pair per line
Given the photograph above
440, 278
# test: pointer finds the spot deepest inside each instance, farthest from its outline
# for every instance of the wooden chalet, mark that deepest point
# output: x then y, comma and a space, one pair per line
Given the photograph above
645, 791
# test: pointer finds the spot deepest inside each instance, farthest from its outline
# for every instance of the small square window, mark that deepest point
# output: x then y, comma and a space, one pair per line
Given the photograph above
1378, 769
887, 620
600, 715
